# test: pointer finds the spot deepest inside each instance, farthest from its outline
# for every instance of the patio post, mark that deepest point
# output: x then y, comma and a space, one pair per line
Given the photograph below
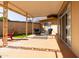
5, 23
26, 25
32, 27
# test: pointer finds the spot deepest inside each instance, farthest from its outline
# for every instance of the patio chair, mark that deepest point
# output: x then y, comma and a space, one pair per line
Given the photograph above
50, 31
11, 35
37, 31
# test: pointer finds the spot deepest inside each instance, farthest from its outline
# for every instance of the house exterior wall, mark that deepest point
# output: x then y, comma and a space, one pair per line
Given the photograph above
53, 20
74, 27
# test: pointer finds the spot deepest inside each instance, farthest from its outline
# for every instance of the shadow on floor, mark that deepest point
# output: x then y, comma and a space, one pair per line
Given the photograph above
36, 49
14, 40
0, 56
65, 50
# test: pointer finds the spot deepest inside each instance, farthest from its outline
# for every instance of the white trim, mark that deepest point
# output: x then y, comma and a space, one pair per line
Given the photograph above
64, 13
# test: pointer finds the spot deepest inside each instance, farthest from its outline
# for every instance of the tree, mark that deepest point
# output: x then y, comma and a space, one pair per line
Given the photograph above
1, 19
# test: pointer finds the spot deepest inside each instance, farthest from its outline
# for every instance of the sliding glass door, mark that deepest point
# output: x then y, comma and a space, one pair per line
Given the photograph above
65, 25
68, 28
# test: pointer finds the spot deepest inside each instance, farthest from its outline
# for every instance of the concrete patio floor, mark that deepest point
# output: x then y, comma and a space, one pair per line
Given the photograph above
35, 48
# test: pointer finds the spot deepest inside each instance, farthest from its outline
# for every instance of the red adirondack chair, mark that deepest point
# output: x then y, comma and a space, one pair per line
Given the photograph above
11, 35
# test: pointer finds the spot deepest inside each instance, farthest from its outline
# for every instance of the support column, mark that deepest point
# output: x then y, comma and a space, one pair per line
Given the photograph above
32, 27
5, 23
26, 26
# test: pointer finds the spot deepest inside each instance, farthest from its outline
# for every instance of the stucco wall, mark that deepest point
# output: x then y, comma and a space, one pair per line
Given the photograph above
75, 27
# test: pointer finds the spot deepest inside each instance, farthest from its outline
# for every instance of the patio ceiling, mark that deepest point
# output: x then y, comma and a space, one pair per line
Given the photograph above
39, 8
35, 8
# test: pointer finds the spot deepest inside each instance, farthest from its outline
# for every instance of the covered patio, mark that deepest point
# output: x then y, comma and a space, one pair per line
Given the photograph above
34, 46
20, 8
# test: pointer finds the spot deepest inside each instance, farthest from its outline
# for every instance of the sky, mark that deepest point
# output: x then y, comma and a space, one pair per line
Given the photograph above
17, 17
